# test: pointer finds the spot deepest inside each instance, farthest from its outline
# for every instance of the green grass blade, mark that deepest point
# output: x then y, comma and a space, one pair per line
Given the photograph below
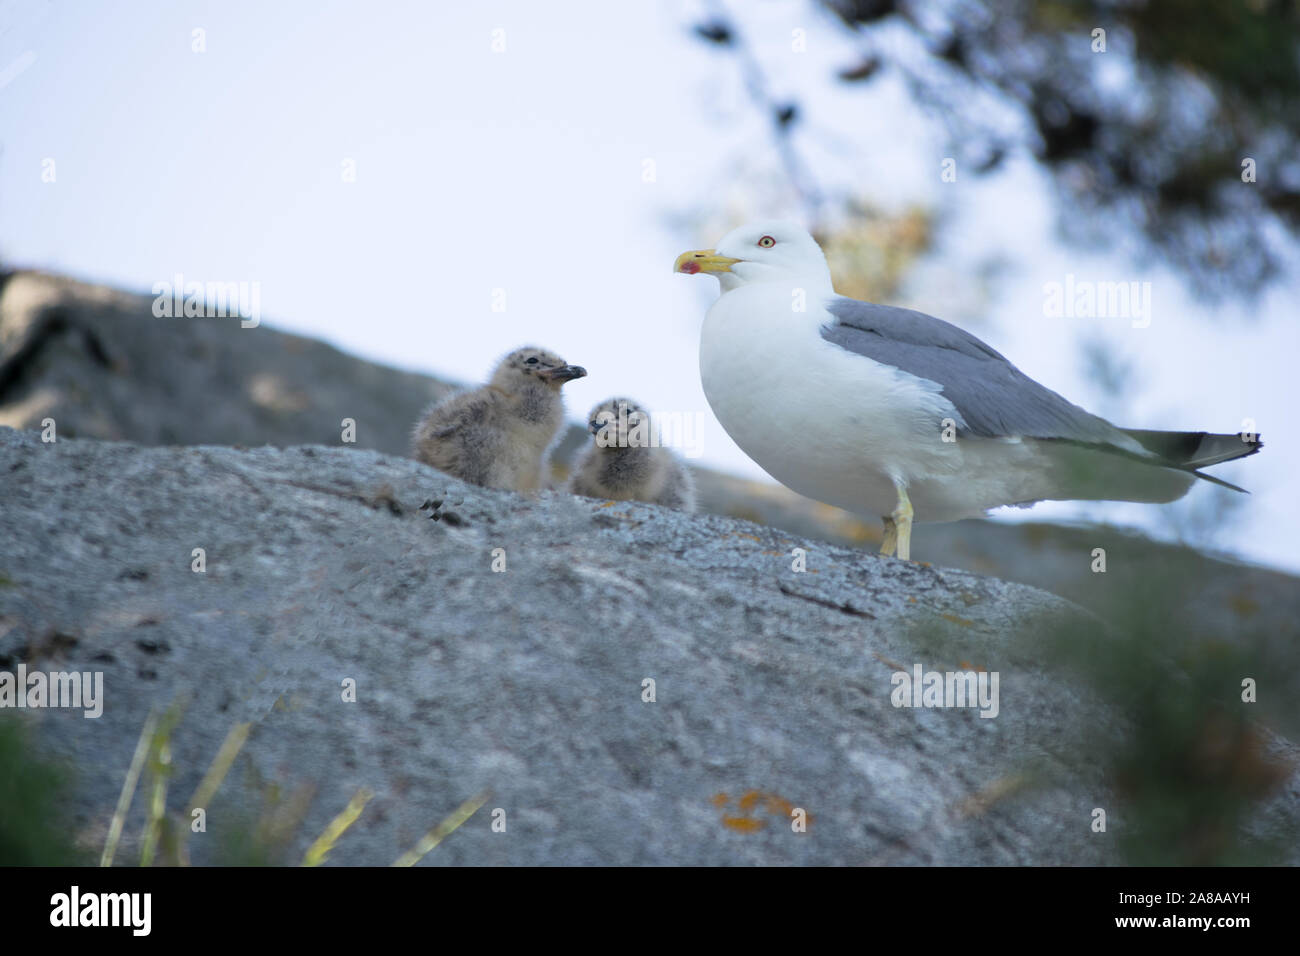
442, 830
317, 852
128, 788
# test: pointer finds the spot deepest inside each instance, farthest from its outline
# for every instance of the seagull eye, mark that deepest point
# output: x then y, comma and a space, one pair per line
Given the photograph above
531, 361
767, 242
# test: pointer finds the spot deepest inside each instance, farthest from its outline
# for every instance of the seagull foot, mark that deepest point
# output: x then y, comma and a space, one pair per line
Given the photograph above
902, 520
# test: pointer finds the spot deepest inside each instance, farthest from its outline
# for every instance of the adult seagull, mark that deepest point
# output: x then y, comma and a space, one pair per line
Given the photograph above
892, 412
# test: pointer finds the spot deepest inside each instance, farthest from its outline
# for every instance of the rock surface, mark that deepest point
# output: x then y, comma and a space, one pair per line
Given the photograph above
772, 687
320, 567
103, 366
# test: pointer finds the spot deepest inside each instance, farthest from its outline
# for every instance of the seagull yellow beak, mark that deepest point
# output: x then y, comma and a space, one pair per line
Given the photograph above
703, 260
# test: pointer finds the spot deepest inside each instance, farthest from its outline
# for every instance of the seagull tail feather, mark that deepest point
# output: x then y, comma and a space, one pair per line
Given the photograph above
1192, 451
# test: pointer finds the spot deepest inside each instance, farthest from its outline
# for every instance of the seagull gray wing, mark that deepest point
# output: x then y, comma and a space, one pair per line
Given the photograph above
993, 397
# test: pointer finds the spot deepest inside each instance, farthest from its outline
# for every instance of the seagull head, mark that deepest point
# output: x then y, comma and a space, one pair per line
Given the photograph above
530, 364
771, 250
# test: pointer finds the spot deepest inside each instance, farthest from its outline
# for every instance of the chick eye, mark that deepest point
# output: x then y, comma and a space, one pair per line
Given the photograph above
531, 361
767, 242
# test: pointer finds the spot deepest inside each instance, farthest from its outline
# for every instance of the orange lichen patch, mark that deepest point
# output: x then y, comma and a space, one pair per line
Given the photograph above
968, 666
751, 537
609, 504
957, 620
743, 824
924, 564
779, 554
777, 805
911, 600
749, 807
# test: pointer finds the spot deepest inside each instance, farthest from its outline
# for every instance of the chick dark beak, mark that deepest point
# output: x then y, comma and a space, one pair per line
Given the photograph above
565, 373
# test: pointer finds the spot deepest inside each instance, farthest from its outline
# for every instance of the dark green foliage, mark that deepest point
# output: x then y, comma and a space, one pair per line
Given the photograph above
32, 831
1188, 761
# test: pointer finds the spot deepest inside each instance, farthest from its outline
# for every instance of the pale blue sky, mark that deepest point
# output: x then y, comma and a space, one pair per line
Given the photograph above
523, 171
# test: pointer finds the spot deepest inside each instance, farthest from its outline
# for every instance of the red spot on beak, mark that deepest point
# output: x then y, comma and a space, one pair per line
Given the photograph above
690, 267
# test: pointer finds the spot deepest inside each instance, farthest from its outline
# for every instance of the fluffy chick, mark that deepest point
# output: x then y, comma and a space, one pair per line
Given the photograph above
498, 435
621, 464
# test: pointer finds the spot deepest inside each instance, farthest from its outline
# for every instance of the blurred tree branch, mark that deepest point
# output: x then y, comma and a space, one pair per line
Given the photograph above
783, 115
1146, 137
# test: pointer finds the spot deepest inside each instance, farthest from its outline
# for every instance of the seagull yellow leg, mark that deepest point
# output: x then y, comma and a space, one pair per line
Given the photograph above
890, 541
902, 520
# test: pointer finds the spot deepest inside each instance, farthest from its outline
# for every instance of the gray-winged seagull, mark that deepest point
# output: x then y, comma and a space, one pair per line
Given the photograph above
887, 411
